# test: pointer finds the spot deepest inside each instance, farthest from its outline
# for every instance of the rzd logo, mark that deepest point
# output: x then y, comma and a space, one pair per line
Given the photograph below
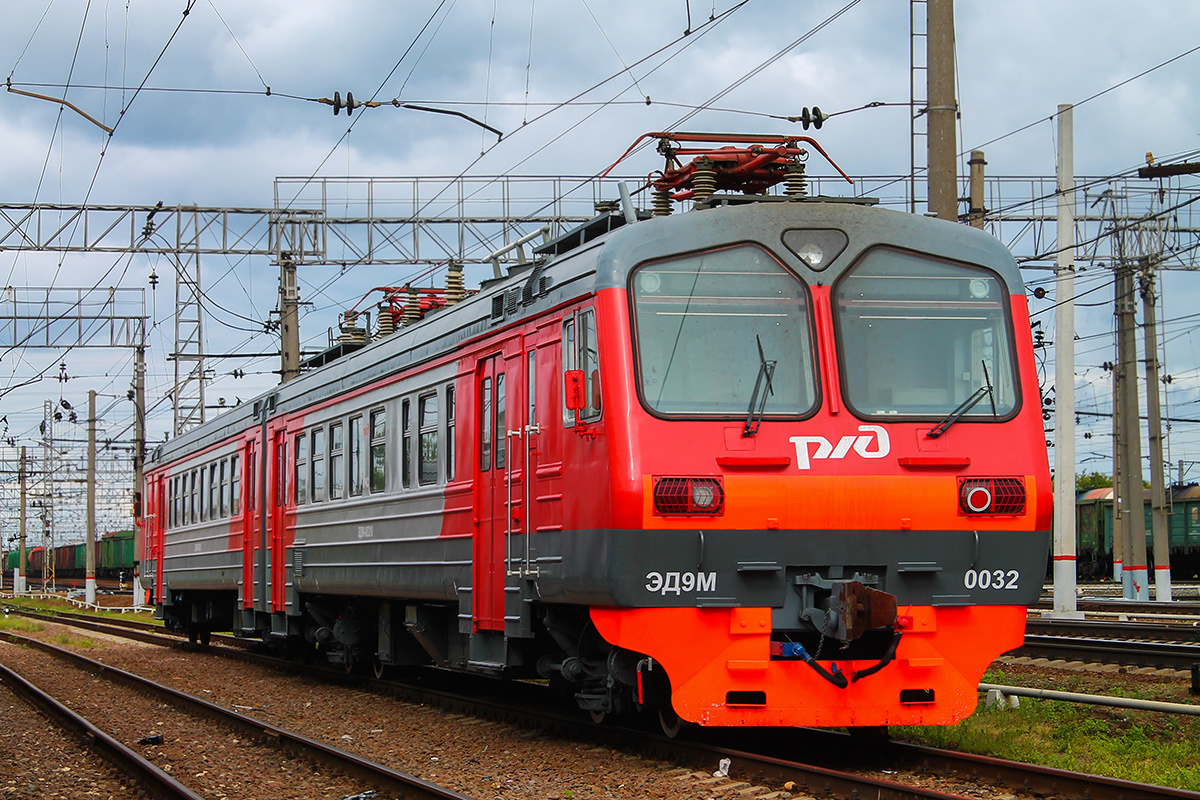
844, 445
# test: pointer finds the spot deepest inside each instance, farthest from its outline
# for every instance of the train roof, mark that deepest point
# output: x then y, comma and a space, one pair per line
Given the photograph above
579, 266
1105, 494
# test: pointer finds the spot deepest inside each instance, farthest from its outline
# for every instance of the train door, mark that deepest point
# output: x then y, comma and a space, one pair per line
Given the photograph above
154, 525
158, 526
273, 546
252, 516
531, 447
494, 490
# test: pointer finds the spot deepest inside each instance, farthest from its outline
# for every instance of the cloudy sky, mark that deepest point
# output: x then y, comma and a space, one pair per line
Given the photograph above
567, 83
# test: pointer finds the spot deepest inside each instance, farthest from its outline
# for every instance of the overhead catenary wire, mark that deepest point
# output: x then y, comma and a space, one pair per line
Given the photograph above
111, 133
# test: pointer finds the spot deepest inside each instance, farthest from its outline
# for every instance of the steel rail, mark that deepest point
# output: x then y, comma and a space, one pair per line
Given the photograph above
370, 772
1161, 655
772, 752
148, 632
1130, 607
148, 776
1114, 629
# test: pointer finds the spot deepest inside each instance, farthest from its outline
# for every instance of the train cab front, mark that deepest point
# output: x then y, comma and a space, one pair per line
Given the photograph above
843, 497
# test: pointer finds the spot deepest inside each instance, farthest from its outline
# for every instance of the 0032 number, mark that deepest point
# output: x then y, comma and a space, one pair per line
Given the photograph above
991, 579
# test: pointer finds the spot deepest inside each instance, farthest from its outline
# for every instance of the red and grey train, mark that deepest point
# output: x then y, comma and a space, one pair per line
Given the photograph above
766, 463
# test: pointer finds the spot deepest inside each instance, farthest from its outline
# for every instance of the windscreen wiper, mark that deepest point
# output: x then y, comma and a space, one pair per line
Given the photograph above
766, 371
966, 405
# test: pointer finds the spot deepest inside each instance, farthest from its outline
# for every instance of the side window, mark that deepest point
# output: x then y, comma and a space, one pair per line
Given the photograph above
301, 469
202, 494
428, 409
280, 474
355, 456
405, 444
252, 489
589, 362
485, 424
318, 465
214, 493
224, 487
569, 361
378, 450
501, 430
531, 389
193, 504
449, 433
337, 462
235, 486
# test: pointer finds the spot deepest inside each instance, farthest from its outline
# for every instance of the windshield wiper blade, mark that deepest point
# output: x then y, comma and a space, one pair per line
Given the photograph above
966, 406
766, 371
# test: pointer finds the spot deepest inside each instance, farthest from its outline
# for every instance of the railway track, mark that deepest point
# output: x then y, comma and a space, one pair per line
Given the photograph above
191, 734
1159, 655
1114, 629
848, 766
90, 756
1108, 641
1128, 608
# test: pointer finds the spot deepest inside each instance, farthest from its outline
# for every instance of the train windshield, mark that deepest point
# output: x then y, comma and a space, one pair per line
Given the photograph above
700, 322
925, 338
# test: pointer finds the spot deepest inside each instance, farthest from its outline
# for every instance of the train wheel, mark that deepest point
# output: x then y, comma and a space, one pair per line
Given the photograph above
598, 717
670, 722
380, 668
348, 660
205, 637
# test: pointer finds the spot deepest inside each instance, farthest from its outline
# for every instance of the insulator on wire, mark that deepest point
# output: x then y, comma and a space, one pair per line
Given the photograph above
338, 105
816, 118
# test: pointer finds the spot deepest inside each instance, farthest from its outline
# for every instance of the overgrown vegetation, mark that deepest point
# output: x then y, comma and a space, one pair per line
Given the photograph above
1140, 746
19, 625
66, 639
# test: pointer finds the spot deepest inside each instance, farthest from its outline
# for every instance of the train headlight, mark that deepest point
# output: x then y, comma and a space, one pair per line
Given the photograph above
704, 496
689, 496
997, 496
812, 254
650, 282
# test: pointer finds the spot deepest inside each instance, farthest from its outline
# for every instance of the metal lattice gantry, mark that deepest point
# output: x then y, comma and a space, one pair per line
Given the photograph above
60, 318
433, 220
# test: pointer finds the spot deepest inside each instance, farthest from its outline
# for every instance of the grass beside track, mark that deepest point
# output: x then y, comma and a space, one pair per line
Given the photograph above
1141, 746
54, 606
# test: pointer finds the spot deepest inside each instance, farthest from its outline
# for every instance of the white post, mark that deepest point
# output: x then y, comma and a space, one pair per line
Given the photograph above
1064, 374
89, 572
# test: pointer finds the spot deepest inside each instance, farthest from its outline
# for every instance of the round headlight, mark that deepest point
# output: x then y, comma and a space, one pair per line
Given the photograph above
704, 496
812, 254
979, 499
649, 282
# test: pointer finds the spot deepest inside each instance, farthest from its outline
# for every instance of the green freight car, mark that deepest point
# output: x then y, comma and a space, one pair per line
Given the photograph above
1094, 531
116, 555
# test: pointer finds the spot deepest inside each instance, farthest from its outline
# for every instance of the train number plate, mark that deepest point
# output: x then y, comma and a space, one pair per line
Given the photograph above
991, 578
